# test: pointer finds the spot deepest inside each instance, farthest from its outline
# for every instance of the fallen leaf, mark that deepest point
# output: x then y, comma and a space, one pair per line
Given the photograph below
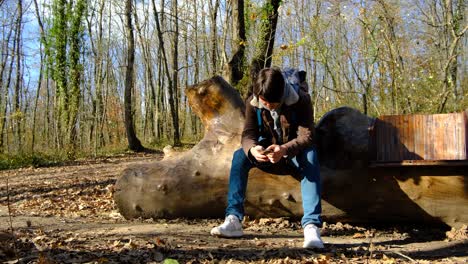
130, 245
260, 243
359, 235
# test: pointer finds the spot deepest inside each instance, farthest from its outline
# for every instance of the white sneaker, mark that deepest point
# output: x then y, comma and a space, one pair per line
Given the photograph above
231, 227
312, 237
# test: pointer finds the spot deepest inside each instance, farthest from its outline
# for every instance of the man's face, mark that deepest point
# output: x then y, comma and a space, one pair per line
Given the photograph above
270, 106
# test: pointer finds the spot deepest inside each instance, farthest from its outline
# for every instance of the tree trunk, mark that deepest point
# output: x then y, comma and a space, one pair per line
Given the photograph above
214, 34
4, 87
4, 129
96, 135
18, 83
36, 99
44, 56
149, 79
133, 142
454, 31
76, 71
175, 73
395, 63
234, 69
264, 50
207, 100
194, 183
60, 69
194, 119
108, 79
172, 106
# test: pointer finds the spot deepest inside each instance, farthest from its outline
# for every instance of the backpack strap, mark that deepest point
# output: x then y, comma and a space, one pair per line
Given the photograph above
259, 120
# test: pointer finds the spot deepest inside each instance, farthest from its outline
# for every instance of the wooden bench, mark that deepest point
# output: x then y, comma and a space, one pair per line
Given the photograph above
419, 140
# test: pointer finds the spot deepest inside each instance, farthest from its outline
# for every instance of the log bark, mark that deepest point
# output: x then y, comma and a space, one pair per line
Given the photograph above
194, 183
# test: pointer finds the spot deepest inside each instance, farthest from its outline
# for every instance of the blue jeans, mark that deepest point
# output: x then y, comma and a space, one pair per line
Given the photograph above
308, 166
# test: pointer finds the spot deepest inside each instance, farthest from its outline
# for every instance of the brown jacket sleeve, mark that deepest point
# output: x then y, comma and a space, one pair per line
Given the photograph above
250, 133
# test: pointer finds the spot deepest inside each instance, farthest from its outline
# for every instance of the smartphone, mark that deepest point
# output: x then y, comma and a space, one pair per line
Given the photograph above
267, 151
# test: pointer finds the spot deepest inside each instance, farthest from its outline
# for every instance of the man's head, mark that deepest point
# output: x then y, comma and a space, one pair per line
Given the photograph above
269, 85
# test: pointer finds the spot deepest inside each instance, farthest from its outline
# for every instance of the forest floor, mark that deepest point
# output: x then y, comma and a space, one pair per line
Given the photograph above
66, 214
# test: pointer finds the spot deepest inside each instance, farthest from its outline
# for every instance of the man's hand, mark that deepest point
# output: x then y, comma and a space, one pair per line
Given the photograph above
257, 152
277, 153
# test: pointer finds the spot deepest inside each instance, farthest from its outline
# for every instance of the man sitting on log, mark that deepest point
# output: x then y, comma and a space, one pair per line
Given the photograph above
277, 138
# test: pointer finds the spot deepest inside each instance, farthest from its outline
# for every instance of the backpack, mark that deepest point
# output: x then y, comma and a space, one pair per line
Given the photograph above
294, 78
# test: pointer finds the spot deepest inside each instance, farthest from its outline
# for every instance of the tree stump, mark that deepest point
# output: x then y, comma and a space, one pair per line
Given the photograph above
194, 183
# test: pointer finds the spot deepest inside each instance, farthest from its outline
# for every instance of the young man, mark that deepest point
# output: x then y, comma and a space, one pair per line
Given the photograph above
278, 133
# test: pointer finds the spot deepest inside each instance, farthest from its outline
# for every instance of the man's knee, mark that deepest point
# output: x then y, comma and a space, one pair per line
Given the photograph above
308, 158
311, 155
239, 154
239, 157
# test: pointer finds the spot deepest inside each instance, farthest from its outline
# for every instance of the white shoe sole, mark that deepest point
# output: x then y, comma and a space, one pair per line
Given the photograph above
218, 233
311, 244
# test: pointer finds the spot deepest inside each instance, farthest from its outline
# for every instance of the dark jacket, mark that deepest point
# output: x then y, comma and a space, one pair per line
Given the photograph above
296, 122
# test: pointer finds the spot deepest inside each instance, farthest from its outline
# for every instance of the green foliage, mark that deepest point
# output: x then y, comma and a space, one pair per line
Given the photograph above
76, 69
29, 160
43, 159
249, 14
266, 12
64, 45
243, 85
185, 144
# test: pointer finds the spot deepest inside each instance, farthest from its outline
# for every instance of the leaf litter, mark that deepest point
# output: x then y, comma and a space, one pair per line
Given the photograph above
67, 215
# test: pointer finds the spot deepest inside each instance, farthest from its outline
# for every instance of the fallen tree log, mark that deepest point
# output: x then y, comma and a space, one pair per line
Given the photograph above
194, 183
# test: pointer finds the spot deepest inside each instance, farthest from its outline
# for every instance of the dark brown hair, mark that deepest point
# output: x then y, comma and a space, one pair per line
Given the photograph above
269, 85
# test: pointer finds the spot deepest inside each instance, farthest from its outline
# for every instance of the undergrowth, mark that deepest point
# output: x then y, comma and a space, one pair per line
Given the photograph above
47, 159
15, 161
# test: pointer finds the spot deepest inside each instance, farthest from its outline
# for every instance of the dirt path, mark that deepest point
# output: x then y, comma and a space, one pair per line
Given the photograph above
66, 215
